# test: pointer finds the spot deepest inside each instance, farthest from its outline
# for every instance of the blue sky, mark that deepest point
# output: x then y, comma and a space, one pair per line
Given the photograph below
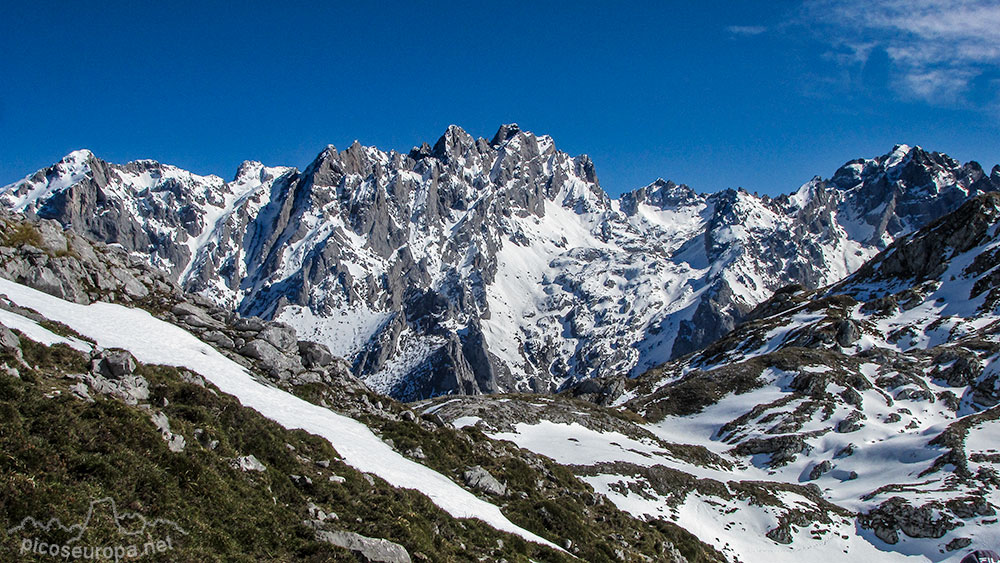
712, 94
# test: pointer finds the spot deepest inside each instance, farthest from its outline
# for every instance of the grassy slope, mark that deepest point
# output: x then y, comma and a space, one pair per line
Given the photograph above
58, 453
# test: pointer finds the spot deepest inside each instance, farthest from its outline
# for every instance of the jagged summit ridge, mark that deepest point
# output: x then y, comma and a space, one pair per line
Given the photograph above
479, 266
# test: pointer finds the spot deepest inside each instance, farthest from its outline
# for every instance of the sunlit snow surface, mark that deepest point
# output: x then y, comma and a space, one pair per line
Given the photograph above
886, 452
157, 342
737, 527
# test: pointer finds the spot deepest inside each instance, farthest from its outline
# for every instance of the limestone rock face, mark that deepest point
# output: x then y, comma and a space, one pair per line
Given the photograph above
474, 266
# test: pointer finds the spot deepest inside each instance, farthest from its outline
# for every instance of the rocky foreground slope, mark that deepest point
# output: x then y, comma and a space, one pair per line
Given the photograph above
477, 266
858, 420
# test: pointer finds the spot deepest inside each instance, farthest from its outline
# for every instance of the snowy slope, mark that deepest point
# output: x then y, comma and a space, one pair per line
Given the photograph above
881, 390
157, 342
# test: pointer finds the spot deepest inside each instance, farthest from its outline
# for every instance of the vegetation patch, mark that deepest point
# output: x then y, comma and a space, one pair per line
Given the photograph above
60, 453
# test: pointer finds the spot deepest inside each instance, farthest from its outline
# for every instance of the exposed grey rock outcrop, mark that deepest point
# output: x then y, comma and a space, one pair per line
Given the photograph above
851, 423
371, 549
112, 373
896, 514
113, 364
175, 442
9, 341
314, 354
782, 449
248, 463
820, 469
478, 478
95, 271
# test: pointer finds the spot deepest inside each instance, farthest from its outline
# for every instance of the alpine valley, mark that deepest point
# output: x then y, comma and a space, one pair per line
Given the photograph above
509, 361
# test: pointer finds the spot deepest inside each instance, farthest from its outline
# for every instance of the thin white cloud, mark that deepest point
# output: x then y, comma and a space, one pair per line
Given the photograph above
937, 47
746, 29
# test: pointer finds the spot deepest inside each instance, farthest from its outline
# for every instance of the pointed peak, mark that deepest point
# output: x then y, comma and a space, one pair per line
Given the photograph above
356, 149
668, 188
248, 168
423, 151
76, 162
660, 183
79, 155
662, 194
804, 195
325, 155
454, 142
901, 153
329, 152
504, 133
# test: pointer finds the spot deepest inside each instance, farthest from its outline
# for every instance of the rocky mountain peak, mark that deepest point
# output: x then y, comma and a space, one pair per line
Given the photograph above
503, 134
75, 162
72, 168
79, 155
454, 143
326, 155
247, 170
927, 254
421, 152
661, 194
898, 192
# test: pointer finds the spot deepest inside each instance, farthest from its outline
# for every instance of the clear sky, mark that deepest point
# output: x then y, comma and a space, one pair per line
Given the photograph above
762, 95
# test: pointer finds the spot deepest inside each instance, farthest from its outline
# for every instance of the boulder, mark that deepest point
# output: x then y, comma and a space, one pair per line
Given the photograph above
782, 534
896, 514
371, 549
175, 442
852, 423
314, 354
130, 388
195, 316
272, 359
783, 449
247, 463
113, 364
847, 333
281, 336
819, 469
478, 478
9, 340
248, 324
219, 339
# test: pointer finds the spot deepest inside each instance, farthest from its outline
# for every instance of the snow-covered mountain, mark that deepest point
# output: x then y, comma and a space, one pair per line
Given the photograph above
858, 421
882, 389
481, 266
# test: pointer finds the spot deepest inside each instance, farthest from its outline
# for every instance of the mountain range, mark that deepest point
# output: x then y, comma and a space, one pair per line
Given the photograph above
475, 266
